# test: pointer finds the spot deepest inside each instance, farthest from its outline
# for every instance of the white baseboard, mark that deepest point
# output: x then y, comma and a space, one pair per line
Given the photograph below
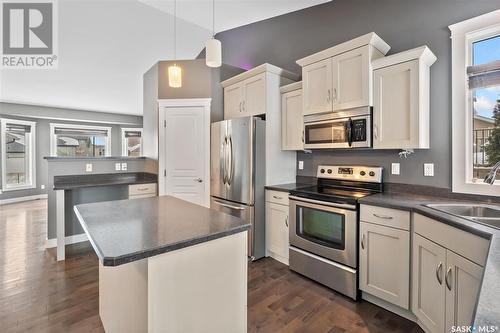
51, 243
21, 199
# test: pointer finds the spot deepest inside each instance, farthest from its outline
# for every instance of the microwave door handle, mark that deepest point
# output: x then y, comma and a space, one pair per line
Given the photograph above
349, 131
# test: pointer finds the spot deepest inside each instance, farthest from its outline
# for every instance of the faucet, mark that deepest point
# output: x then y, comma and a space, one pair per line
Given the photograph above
490, 177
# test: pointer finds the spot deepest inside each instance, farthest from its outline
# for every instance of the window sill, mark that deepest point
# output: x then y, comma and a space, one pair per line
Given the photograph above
17, 188
478, 188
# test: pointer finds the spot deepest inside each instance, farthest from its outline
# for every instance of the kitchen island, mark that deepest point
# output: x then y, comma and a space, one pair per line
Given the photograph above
167, 265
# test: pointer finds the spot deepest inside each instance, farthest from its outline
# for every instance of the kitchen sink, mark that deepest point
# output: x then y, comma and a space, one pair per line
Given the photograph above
484, 214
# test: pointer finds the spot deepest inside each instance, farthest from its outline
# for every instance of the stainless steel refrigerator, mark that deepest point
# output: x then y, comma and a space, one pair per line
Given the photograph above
237, 175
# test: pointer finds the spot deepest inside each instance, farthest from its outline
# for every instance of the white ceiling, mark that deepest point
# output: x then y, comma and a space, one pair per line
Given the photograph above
230, 13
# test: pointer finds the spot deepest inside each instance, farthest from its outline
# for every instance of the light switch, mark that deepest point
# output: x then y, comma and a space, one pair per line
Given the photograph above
118, 166
42, 187
395, 168
429, 169
124, 166
88, 167
301, 165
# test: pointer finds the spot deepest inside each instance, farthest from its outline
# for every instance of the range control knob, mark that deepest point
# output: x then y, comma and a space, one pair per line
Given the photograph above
329, 171
362, 173
322, 171
372, 173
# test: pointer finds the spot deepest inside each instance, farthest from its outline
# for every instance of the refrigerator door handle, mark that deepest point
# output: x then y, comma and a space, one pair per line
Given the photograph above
223, 161
230, 161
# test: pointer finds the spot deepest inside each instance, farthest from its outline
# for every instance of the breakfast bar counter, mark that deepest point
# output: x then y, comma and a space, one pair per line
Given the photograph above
168, 265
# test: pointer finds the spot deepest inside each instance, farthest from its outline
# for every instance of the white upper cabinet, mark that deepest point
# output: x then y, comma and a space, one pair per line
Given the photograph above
252, 93
401, 87
292, 129
351, 86
317, 87
340, 77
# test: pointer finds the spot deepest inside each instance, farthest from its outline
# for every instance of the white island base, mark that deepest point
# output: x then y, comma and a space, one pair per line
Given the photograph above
200, 288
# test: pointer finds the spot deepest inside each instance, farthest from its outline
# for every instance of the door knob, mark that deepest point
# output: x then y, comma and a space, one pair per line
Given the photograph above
199, 180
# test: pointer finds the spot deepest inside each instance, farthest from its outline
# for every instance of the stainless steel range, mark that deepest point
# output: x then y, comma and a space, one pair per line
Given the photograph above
324, 222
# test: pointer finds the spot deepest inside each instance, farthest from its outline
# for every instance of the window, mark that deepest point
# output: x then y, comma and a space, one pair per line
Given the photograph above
476, 103
79, 141
18, 154
132, 142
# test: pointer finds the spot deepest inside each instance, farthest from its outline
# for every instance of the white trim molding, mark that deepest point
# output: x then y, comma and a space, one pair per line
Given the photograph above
52, 242
23, 199
53, 138
30, 154
463, 34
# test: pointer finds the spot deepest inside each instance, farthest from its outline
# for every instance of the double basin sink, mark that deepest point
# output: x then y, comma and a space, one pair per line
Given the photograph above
481, 213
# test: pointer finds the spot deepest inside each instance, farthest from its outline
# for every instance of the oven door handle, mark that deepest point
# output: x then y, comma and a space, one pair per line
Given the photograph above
323, 203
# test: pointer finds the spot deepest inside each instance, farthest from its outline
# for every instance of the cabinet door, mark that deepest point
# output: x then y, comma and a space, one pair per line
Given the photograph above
254, 101
292, 121
385, 263
395, 106
277, 231
463, 279
428, 289
233, 101
317, 87
351, 84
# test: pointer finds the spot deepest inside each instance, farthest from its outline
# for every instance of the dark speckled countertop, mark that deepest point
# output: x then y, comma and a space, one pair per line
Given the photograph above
488, 307
286, 187
105, 179
128, 230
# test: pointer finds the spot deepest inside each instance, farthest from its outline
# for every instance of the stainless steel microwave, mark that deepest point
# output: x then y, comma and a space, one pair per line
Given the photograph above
342, 129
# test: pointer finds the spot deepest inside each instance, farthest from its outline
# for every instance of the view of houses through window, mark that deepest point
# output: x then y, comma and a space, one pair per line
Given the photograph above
484, 83
80, 141
132, 142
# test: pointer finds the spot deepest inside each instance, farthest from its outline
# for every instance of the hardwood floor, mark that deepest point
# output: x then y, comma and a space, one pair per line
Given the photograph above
38, 294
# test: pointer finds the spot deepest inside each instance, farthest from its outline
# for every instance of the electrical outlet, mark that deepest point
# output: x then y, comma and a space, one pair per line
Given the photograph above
124, 166
118, 166
301, 165
395, 168
429, 169
88, 167
42, 187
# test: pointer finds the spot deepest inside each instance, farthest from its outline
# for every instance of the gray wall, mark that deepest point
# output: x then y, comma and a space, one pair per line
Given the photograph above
43, 116
403, 25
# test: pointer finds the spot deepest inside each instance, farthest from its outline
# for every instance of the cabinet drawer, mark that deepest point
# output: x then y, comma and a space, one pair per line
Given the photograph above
142, 189
467, 245
385, 216
277, 197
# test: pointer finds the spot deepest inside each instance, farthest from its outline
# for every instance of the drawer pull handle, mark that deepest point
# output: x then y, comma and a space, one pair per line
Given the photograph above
276, 197
448, 278
363, 241
439, 273
386, 217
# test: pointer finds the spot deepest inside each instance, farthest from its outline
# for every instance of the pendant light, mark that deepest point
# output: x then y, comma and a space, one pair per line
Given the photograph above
213, 52
174, 71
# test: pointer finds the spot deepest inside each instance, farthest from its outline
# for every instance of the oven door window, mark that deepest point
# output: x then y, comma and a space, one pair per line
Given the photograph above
331, 132
322, 227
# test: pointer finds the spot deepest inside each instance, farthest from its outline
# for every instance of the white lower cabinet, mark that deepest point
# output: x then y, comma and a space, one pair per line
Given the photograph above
277, 229
385, 263
445, 286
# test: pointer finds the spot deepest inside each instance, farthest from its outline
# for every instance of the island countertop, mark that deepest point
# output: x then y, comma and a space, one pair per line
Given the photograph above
128, 230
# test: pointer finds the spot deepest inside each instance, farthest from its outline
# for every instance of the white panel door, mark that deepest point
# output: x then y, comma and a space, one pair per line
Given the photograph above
185, 155
351, 84
254, 101
317, 87
233, 101
277, 231
292, 121
385, 263
463, 279
428, 290
395, 101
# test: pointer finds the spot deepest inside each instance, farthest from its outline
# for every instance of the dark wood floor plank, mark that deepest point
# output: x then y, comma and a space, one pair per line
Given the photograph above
39, 294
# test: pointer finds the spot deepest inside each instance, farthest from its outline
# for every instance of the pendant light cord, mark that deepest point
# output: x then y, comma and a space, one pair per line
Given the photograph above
213, 18
175, 29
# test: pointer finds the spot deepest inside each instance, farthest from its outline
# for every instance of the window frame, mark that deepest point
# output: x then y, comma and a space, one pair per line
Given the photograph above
31, 154
463, 35
124, 141
53, 138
